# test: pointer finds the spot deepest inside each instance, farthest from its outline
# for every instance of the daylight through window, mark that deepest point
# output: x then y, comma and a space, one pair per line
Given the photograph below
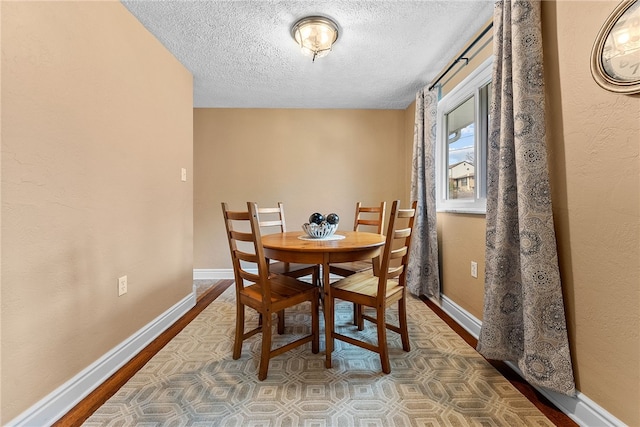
461, 144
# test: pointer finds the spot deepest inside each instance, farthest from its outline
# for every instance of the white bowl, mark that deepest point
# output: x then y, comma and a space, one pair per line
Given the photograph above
319, 231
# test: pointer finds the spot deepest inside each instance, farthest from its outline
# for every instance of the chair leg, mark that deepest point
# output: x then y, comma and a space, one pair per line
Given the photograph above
315, 324
359, 320
281, 322
382, 340
329, 316
404, 330
237, 343
266, 347
355, 314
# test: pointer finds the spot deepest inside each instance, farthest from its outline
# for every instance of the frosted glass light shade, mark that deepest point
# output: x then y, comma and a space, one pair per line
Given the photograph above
315, 35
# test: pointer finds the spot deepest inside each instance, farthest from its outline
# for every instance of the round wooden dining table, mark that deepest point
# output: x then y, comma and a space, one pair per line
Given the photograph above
342, 246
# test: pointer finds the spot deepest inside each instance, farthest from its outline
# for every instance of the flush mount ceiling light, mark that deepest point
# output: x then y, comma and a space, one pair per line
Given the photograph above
315, 35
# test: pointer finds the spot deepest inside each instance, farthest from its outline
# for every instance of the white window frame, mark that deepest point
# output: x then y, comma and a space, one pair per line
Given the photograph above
469, 87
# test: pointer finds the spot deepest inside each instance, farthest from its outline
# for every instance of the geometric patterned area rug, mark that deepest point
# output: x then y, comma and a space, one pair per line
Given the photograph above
193, 381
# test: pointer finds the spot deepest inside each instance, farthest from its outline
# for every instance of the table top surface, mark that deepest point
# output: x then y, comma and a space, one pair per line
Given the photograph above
353, 240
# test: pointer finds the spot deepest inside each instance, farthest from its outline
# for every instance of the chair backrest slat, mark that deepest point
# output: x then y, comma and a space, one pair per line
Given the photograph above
406, 213
375, 209
249, 277
238, 215
373, 222
241, 236
398, 253
269, 210
271, 223
246, 257
405, 232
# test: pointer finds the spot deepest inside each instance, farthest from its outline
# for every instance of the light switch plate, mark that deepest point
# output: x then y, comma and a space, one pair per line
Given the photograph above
122, 285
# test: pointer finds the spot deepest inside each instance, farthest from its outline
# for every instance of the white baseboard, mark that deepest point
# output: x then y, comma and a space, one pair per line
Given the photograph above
465, 319
55, 405
579, 408
212, 273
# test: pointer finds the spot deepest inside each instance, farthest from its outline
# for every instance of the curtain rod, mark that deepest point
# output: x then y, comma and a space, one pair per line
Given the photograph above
461, 57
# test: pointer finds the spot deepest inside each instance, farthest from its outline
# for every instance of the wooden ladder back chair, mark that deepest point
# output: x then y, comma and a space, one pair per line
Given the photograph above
274, 217
373, 218
379, 288
265, 293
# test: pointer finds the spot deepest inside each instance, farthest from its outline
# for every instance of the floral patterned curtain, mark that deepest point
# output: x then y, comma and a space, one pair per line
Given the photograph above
423, 273
524, 318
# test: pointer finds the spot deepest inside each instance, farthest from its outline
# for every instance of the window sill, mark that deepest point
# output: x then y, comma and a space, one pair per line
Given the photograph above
462, 211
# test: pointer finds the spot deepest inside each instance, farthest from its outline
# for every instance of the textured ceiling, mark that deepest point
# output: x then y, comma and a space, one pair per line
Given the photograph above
242, 55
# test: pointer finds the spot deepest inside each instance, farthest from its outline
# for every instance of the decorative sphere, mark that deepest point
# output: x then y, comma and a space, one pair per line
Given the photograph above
316, 218
333, 218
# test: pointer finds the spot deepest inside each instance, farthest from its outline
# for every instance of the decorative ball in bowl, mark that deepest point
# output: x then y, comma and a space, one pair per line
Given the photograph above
318, 231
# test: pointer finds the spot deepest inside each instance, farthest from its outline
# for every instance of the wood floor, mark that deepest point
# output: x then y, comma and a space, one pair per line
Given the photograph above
102, 393
542, 403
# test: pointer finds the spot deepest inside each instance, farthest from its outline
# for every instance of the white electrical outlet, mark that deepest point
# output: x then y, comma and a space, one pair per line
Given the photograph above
474, 269
183, 174
122, 285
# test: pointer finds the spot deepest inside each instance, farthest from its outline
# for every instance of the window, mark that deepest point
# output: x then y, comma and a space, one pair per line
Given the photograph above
461, 144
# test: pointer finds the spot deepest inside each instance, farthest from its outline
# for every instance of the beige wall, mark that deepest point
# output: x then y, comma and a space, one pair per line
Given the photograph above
311, 160
594, 142
461, 239
96, 124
